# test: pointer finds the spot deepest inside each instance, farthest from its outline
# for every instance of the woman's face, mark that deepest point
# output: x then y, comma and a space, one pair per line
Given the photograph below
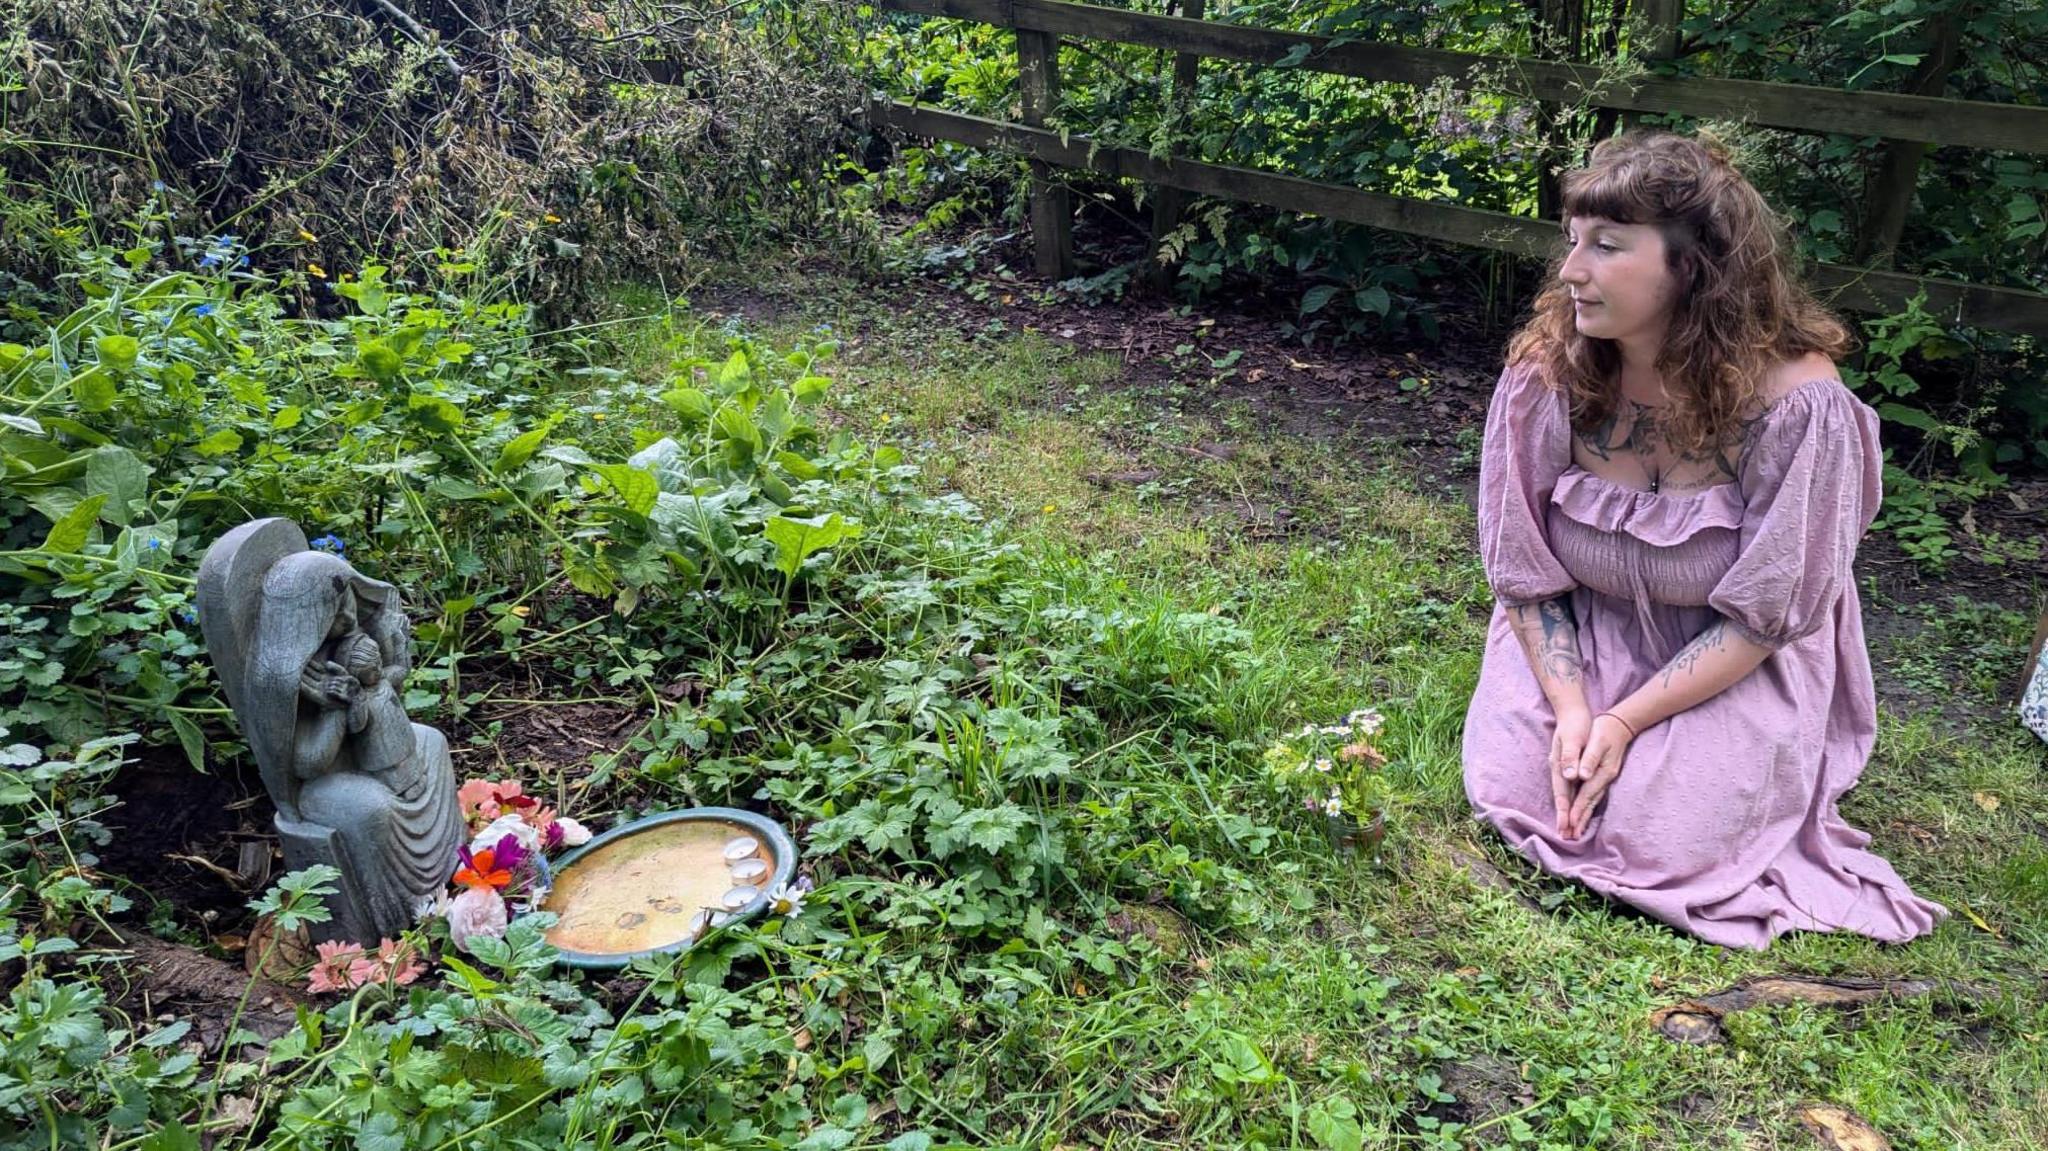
1621, 285
344, 615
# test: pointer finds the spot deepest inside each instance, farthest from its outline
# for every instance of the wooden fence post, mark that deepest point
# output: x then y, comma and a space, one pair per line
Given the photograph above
1168, 204
1560, 29
1052, 213
1891, 194
1661, 19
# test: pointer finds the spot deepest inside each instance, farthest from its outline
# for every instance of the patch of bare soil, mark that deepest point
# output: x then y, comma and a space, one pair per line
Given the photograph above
198, 843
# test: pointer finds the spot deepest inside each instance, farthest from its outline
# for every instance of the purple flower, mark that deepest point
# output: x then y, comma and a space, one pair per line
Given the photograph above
509, 853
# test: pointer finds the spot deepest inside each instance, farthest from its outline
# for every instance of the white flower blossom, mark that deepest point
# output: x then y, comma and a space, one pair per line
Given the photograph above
504, 825
1322, 765
787, 899
1333, 805
1366, 719
574, 834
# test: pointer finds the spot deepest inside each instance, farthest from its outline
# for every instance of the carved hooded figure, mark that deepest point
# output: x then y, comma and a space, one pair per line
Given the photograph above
313, 657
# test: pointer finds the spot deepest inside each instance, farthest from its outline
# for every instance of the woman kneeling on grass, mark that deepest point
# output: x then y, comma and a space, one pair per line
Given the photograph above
1676, 692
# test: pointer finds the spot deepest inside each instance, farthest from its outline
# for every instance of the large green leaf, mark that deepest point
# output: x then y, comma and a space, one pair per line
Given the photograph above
118, 351
121, 476
69, 534
796, 540
434, 413
93, 390
220, 443
519, 449
637, 487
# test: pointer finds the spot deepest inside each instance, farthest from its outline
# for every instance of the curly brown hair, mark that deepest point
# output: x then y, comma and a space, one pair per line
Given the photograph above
1739, 311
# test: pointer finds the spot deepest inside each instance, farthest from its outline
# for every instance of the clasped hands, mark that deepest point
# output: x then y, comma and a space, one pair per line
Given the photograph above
1585, 757
328, 684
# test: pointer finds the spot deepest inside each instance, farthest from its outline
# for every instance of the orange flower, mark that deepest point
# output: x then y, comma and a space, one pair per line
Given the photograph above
481, 870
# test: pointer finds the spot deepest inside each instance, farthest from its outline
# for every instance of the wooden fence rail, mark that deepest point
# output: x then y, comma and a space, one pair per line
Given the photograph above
1040, 22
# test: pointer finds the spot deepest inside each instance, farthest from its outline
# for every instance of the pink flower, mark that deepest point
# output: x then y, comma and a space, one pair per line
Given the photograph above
334, 969
573, 834
478, 911
483, 800
478, 800
394, 963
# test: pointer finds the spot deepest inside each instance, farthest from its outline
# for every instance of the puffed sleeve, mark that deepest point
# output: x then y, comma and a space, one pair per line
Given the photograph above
1528, 445
1811, 479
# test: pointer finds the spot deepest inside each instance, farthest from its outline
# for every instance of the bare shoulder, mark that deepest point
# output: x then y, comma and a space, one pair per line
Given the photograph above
1790, 374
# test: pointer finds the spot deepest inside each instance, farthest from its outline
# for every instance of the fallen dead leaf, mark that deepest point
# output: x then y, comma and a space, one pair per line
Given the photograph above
1985, 800
1840, 1129
279, 956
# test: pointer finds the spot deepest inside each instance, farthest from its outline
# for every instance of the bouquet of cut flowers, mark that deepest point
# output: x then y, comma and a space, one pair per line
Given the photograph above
503, 869
1336, 770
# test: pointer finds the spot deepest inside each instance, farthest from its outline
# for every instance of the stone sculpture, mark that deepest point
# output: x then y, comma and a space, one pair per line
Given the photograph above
313, 658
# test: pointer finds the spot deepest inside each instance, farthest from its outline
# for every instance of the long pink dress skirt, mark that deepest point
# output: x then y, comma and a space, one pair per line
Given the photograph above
1723, 822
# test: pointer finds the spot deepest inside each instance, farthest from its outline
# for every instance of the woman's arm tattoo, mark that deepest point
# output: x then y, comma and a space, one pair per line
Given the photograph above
1714, 638
1558, 648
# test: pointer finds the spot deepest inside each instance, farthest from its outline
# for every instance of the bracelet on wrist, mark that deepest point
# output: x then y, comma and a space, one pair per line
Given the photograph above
1624, 723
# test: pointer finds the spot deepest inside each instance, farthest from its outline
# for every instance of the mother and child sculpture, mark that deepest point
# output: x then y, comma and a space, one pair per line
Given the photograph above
313, 658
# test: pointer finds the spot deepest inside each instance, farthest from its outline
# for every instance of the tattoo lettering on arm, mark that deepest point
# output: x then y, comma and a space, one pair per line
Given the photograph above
1714, 638
1557, 650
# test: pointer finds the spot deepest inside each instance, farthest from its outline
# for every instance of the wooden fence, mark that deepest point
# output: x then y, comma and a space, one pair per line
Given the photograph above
1906, 122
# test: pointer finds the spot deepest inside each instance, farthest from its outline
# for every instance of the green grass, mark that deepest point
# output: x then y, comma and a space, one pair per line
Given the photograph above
1401, 996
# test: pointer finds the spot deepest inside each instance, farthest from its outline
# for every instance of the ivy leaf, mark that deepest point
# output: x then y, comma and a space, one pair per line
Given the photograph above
69, 534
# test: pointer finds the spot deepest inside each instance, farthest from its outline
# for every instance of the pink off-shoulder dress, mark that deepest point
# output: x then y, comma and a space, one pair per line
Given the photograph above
1723, 821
